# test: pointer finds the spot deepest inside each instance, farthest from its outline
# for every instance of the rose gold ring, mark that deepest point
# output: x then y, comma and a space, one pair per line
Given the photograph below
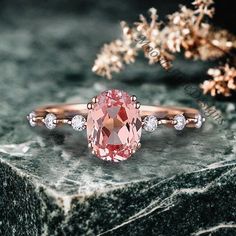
114, 121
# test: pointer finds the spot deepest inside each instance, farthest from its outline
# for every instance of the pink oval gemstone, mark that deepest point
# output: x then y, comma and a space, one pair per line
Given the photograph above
114, 126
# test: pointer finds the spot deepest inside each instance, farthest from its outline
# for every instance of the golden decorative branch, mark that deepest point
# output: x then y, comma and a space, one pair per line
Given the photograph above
185, 31
224, 81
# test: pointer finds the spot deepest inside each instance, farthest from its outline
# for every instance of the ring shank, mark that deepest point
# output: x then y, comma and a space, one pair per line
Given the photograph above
63, 110
168, 112
67, 111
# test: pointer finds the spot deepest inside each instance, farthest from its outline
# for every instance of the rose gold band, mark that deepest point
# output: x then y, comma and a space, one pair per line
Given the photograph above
165, 115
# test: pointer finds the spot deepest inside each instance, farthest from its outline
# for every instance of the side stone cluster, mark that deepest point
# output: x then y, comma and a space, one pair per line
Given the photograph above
77, 122
151, 123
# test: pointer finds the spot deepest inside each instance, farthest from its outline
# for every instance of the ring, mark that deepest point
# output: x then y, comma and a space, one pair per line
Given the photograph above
114, 121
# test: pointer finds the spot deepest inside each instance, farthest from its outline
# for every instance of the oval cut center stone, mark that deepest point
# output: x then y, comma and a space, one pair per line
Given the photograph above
114, 126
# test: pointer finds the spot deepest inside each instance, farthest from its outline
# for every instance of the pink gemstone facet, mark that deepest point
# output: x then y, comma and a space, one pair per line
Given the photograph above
114, 126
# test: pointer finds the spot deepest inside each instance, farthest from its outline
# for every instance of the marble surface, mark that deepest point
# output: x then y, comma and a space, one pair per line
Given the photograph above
178, 183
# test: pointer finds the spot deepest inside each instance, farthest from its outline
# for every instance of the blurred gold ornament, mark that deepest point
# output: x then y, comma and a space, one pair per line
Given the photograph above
224, 81
185, 31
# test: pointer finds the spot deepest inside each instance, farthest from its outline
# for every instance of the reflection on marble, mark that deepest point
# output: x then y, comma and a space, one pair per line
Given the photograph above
178, 183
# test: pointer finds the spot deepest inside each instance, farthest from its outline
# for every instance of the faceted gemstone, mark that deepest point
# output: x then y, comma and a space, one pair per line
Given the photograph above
31, 118
150, 123
199, 121
114, 126
49, 121
180, 122
78, 123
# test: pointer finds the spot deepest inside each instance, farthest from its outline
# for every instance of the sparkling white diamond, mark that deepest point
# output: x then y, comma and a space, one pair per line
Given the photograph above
180, 122
31, 118
50, 121
199, 121
78, 122
150, 123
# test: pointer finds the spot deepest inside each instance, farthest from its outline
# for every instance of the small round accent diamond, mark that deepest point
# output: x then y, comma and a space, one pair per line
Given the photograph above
180, 122
199, 121
150, 123
31, 118
50, 121
78, 122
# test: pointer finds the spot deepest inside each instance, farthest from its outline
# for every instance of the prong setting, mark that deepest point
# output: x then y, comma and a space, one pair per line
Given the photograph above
94, 99
90, 145
137, 105
90, 105
139, 145
133, 98
133, 151
93, 152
